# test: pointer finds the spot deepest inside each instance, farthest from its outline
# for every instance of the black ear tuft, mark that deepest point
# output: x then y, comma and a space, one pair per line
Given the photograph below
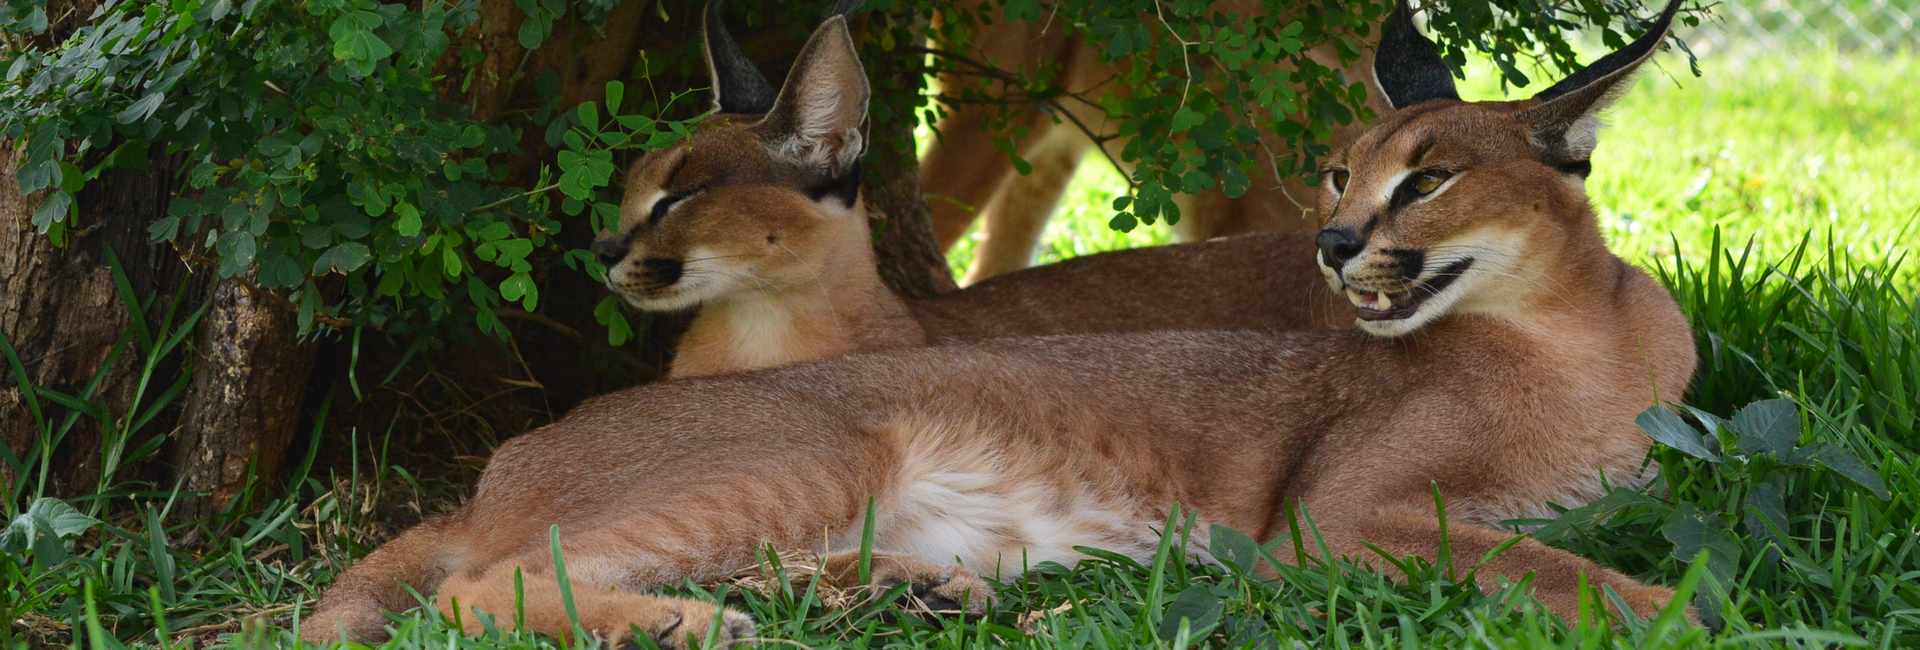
1407, 65
1564, 118
844, 8
1617, 61
738, 86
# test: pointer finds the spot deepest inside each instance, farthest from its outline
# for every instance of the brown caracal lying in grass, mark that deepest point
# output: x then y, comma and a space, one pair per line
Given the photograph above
776, 252
1502, 355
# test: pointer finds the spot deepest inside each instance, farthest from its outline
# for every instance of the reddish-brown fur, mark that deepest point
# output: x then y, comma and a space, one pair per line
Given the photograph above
1522, 389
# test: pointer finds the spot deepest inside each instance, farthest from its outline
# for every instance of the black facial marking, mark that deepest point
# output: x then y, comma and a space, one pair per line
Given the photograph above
660, 208
1409, 262
1581, 168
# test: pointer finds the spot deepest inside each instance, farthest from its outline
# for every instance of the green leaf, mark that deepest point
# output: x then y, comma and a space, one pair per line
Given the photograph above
1767, 508
1768, 426
1666, 427
519, 287
277, 271
345, 257
42, 530
616, 91
1843, 462
52, 210
236, 250
1198, 605
65, 521
164, 229
512, 250
1186, 118
450, 261
608, 313
142, 109
355, 43
1691, 532
409, 223
589, 115
1233, 548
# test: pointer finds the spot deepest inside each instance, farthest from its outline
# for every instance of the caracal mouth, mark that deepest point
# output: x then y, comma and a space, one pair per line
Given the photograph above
1401, 304
673, 297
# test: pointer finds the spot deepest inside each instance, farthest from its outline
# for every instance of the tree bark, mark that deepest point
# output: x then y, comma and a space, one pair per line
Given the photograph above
61, 312
909, 260
250, 373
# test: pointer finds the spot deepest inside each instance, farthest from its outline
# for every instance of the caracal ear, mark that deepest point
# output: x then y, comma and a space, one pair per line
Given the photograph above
1565, 118
816, 121
738, 86
1407, 66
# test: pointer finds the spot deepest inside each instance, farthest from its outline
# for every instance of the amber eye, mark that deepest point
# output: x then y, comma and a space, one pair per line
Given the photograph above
1426, 182
1338, 179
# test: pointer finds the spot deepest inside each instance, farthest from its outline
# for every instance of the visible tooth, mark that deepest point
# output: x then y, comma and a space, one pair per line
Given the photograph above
1355, 297
1384, 303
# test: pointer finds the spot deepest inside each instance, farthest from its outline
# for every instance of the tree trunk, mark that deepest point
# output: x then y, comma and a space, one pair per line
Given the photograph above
250, 372
909, 260
61, 312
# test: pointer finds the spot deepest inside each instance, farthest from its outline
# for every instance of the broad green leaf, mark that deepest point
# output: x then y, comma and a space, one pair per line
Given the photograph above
66, 521
278, 271
236, 250
1186, 118
345, 257
1198, 605
1691, 532
1768, 426
142, 109
1233, 548
1766, 508
1666, 427
1845, 463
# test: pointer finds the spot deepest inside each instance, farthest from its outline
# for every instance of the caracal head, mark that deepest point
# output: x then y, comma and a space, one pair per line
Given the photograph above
1451, 207
746, 202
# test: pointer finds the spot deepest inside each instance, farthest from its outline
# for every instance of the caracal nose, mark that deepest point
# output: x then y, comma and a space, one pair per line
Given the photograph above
610, 250
1337, 245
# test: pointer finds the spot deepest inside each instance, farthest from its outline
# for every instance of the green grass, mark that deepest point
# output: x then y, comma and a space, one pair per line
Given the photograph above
1808, 161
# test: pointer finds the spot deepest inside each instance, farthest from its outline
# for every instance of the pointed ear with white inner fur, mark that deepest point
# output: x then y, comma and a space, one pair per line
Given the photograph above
817, 120
1565, 118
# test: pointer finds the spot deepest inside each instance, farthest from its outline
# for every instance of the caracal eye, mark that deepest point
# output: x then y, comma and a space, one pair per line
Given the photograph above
1427, 182
1338, 178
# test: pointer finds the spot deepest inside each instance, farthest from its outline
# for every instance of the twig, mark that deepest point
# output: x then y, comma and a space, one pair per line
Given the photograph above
1051, 102
1184, 61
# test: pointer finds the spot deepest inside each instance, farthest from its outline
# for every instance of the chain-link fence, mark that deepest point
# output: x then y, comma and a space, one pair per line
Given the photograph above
1740, 29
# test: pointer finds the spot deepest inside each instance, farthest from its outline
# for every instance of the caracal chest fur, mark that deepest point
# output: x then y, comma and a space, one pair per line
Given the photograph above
1502, 355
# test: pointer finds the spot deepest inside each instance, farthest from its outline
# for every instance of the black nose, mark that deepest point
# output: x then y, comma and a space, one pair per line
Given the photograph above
1337, 245
661, 270
610, 250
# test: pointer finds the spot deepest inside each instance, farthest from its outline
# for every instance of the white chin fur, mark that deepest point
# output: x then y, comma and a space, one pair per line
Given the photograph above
686, 294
